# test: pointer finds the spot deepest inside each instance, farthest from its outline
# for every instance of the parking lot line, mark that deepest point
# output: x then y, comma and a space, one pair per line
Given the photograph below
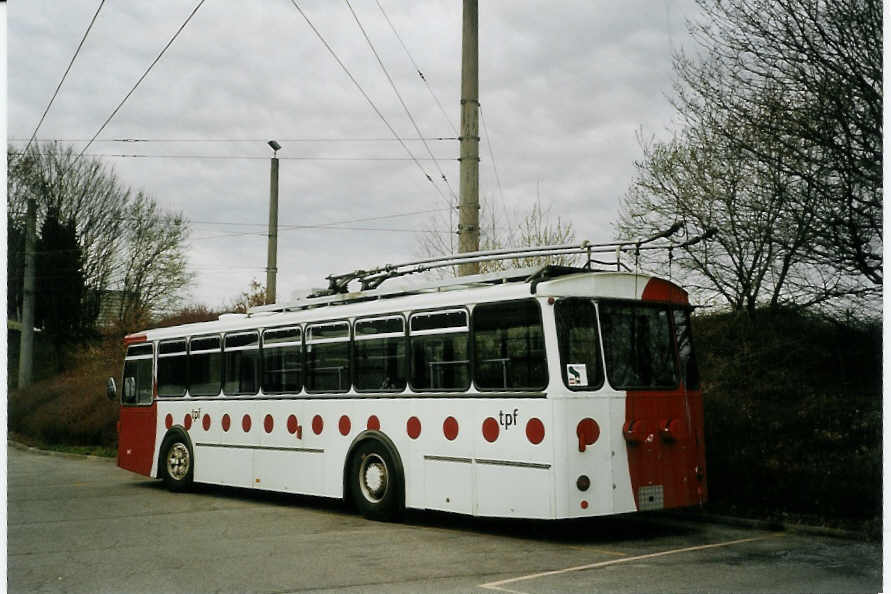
499, 584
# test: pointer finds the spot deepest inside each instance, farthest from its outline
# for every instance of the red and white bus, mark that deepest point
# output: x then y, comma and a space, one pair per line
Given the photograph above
549, 393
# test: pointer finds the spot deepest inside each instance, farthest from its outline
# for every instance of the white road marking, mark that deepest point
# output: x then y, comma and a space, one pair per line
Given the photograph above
498, 585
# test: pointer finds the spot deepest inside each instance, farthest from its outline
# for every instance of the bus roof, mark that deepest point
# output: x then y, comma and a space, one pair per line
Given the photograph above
545, 281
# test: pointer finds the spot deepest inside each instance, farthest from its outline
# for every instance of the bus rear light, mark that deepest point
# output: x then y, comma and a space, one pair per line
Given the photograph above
587, 431
671, 430
583, 482
636, 432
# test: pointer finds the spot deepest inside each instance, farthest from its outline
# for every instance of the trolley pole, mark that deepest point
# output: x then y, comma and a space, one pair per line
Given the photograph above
272, 245
26, 346
469, 189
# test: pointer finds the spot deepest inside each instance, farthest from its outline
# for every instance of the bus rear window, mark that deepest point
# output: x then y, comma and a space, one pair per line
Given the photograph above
638, 346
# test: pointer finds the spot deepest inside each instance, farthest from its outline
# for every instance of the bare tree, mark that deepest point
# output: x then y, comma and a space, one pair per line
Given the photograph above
153, 266
126, 242
780, 153
814, 68
253, 296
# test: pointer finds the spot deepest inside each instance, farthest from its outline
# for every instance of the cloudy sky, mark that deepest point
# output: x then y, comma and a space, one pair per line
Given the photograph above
564, 88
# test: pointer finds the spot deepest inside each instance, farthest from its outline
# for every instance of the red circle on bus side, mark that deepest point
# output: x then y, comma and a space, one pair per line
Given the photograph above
187, 421
168, 421
317, 425
206, 422
490, 429
225, 422
450, 428
535, 430
292, 424
374, 424
268, 423
344, 425
246, 423
584, 504
413, 427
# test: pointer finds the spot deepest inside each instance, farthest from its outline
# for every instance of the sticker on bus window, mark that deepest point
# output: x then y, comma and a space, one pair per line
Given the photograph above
577, 374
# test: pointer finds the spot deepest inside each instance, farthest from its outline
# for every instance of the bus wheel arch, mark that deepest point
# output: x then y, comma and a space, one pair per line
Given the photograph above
374, 477
176, 460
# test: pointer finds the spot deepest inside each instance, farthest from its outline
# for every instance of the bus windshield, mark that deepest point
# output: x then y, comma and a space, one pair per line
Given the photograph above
638, 346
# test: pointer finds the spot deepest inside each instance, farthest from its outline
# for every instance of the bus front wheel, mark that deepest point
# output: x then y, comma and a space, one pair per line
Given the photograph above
375, 482
177, 463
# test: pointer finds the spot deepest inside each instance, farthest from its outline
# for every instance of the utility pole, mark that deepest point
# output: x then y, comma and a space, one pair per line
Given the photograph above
26, 348
469, 189
272, 245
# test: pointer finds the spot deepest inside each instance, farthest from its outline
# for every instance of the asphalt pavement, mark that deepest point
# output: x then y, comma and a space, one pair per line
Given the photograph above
78, 524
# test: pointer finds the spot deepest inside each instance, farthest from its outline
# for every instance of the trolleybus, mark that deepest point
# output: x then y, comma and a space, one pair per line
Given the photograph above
549, 392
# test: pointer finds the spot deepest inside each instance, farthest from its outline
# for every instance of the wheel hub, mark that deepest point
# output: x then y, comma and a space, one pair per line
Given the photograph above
178, 461
373, 478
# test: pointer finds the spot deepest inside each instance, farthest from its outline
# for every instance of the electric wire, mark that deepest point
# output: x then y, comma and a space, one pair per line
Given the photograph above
141, 78
418, 70
64, 76
245, 157
235, 140
367, 98
399, 96
491, 154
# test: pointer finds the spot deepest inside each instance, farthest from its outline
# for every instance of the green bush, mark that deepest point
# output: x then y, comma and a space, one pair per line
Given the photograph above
793, 413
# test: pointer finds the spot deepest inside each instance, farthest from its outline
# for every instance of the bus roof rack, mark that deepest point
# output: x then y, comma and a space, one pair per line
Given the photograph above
370, 280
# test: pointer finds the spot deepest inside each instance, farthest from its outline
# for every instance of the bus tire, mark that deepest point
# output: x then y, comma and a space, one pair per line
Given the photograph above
177, 462
375, 482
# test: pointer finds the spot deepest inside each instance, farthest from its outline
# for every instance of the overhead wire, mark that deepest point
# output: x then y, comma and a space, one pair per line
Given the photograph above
432, 94
418, 70
247, 157
491, 154
64, 76
141, 78
399, 96
234, 140
355, 82
407, 111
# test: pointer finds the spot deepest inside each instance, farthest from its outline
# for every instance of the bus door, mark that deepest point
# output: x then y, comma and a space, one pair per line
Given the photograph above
138, 415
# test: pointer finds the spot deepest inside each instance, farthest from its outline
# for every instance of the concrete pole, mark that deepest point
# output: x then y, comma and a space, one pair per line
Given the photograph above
26, 350
272, 247
469, 189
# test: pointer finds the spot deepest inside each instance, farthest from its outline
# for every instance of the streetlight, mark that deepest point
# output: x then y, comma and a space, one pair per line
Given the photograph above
272, 245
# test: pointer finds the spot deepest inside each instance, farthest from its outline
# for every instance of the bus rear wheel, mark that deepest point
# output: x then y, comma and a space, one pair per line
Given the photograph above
375, 482
176, 463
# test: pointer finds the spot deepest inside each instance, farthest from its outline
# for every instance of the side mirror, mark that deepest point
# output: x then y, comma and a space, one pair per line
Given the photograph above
111, 389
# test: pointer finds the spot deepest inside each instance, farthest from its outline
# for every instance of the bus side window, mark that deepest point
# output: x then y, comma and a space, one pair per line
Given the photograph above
282, 360
440, 347
242, 363
379, 348
205, 366
172, 368
579, 346
328, 357
509, 346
